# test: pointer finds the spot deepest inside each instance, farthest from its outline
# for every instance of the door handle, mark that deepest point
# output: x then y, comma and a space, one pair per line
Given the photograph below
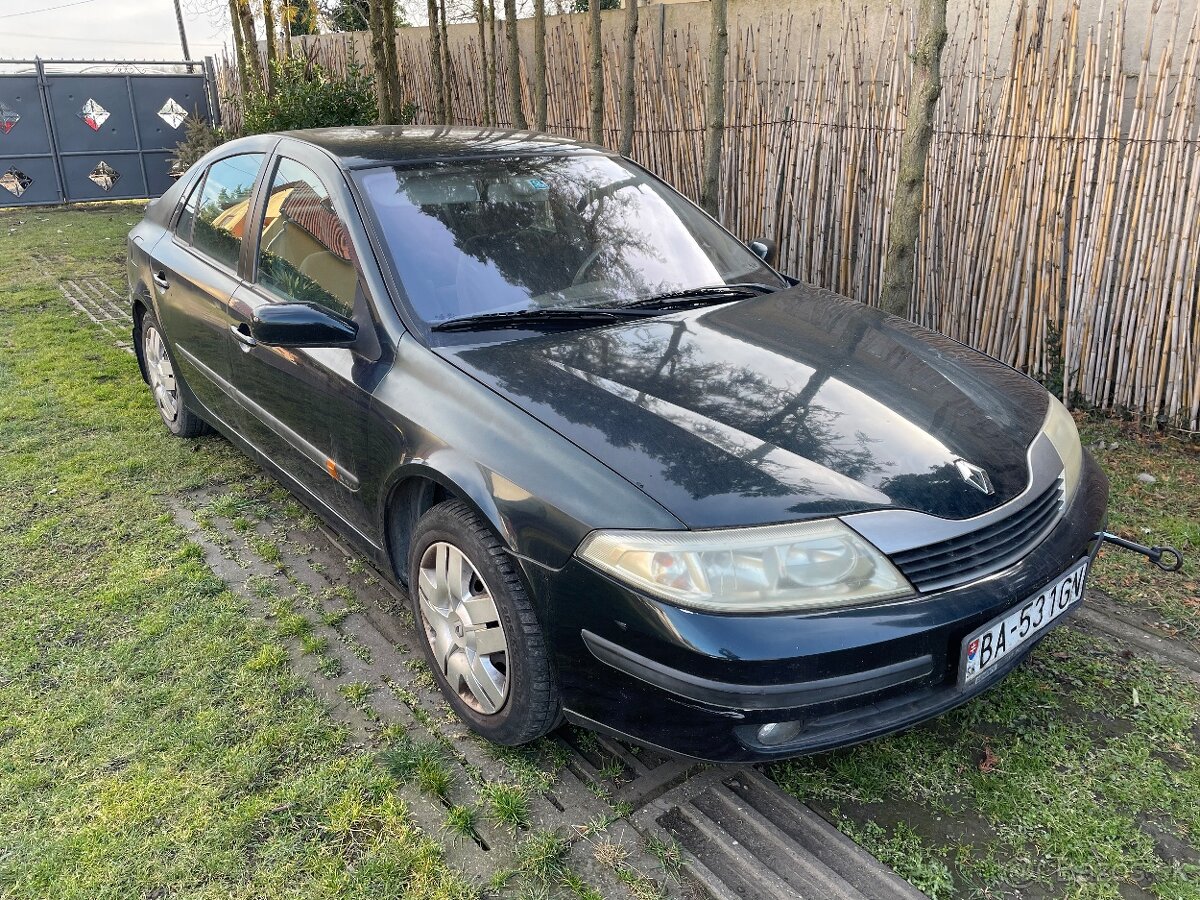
243, 335
160, 279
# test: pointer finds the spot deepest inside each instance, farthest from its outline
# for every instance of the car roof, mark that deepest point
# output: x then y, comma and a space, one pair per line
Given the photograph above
357, 147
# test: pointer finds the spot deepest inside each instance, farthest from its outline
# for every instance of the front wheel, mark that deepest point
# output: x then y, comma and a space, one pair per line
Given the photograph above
481, 635
176, 414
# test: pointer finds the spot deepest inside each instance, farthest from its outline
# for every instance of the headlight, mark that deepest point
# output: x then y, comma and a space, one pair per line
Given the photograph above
1060, 428
806, 565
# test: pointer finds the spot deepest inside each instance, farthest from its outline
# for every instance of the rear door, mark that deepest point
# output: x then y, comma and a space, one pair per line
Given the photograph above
306, 408
195, 274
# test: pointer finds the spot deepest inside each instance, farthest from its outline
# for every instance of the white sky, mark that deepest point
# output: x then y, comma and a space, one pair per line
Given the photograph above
109, 29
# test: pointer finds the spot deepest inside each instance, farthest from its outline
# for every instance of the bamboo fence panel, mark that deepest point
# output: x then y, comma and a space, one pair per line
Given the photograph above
1062, 220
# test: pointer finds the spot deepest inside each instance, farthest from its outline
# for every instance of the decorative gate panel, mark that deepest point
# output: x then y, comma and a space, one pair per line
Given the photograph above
75, 136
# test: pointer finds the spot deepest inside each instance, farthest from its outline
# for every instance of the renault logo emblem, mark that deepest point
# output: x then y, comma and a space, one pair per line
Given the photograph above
974, 476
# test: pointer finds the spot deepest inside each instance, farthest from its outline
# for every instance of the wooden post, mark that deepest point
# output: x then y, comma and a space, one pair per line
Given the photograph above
714, 110
898, 270
514, 65
539, 65
628, 66
596, 98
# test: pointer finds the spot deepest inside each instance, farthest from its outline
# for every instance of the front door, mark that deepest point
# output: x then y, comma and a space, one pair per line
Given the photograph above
306, 408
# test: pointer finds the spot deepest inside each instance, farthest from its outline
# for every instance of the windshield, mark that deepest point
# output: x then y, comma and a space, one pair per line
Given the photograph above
502, 235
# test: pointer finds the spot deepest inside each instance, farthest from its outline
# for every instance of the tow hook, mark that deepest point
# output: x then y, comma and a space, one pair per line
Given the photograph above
1172, 563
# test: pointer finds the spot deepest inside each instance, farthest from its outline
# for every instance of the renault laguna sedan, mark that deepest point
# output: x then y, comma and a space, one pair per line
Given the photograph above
630, 475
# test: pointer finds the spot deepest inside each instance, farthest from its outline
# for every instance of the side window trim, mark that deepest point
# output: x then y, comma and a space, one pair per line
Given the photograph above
196, 190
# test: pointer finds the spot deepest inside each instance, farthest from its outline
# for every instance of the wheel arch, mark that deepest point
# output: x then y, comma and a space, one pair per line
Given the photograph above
419, 486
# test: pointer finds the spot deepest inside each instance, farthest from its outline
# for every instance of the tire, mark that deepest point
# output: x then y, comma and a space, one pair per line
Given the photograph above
161, 373
527, 705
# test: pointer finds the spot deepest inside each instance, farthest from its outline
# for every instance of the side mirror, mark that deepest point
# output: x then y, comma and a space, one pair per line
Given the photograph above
764, 249
300, 325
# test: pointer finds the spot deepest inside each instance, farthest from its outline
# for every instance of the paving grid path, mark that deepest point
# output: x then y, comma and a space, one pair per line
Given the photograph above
96, 298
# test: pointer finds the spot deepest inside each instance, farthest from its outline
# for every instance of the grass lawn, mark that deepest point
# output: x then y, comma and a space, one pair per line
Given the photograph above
155, 740
152, 737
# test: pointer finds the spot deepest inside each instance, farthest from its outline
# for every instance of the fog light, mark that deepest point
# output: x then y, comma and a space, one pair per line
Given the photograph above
775, 733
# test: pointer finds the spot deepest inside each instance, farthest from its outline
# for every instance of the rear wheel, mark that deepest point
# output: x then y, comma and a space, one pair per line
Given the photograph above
480, 634
176, 414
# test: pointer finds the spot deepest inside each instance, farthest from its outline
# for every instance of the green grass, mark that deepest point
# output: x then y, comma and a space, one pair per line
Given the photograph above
153, 739
1057, 778
1166, 512
507, 804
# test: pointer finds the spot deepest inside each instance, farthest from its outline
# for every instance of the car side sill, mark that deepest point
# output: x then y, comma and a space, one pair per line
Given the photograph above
754, 696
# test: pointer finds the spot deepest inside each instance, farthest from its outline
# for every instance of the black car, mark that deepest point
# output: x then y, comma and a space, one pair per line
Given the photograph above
631, 475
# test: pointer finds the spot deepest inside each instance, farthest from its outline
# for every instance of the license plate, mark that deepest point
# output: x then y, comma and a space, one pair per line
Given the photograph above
986, 647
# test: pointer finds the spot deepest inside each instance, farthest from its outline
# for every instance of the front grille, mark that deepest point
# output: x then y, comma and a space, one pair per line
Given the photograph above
979, 553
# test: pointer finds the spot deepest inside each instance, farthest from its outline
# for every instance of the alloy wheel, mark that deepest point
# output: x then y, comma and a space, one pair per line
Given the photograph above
161, 373
463, 627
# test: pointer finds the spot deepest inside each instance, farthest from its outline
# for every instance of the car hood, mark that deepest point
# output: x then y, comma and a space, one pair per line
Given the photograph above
790, 405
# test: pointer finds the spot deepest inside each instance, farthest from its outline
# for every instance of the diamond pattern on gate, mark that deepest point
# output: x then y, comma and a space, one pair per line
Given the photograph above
15, 181
104, 176
93, 114
172, 113
8, 117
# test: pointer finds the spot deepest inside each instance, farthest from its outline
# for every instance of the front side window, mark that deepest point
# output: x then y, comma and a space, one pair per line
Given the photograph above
225, 206
305, 253
529, 233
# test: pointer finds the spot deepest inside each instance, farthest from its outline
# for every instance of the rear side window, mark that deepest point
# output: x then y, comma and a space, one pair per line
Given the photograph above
225, 206
305, 253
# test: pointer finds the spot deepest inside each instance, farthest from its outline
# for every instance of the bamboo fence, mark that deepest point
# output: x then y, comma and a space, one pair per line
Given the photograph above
1062, 222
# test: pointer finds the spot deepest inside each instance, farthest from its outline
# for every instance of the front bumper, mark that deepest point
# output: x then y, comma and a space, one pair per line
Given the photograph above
699, 684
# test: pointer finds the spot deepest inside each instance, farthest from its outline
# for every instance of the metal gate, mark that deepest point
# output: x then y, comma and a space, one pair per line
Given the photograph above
68, 136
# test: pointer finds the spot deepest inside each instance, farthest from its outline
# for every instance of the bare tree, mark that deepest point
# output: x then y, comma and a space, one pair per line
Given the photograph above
714, 107
514, 65
435, 63
253, 63
447, 66
904, 228
395, 88
628, 64
597, 79
539, 65
379, 60
239, 48
491, 71
268, 7
481, 22
287, 13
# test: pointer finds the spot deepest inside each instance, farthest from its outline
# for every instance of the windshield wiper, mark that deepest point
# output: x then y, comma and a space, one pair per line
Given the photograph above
519, 318
713, 293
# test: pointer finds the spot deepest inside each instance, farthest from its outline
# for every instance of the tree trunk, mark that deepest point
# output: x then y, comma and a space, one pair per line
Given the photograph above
396, 112
539, 65
597, 77
896, 295
379, 61
288, 14
491, 70
481, 22
250, 41
628, 64
447, 67
714, 108
239, 49
514, 65
435, 64
272, 42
